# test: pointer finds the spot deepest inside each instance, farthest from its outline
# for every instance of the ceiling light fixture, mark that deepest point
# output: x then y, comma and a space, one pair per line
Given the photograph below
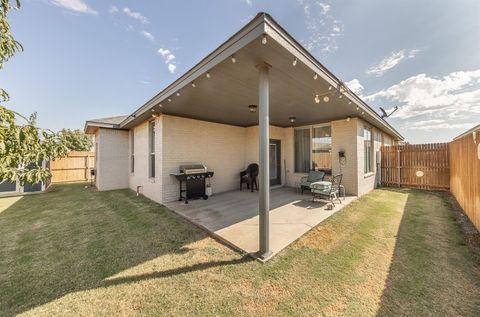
294, 63
326, 99
193, 84
292, 119
315, 76
208, 75
317, 99
264, 40
252, 108
234, 60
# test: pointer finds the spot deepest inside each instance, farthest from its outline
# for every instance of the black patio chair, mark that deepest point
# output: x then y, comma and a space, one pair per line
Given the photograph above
249, 176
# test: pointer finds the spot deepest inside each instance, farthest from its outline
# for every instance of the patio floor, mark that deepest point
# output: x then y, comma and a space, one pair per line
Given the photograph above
232, 217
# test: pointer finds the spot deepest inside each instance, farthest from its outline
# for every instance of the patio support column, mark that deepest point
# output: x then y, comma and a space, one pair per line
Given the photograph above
264, 160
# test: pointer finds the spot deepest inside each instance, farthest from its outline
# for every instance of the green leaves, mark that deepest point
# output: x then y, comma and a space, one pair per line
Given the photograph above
76, 140
24, 148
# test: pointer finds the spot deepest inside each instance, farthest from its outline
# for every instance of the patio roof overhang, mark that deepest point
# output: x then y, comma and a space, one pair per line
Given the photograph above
233, 86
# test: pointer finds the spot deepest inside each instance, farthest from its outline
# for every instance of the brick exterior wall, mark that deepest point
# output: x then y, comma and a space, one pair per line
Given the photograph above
226, 150
111, 159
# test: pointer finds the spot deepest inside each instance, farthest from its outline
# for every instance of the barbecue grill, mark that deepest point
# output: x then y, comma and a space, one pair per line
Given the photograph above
194, 177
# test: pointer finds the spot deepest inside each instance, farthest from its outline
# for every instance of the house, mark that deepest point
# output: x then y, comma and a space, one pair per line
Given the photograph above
259, 97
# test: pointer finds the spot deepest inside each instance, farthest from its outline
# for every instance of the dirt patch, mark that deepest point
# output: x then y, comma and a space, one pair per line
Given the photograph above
471, 234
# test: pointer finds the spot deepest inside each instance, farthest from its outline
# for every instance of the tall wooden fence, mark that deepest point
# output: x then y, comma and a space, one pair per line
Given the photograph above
73, 168
465, 174
425, 166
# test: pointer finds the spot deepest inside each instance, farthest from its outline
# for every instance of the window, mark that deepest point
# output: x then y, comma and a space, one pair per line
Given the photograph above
313, 147
132, 151
368, 149
151, 149
302, 150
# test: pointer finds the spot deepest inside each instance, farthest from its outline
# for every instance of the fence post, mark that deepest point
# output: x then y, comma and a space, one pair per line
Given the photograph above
398, 168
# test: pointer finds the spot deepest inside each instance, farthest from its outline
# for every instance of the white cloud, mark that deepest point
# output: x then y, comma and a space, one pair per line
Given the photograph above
169, 59
249, 2
429, 103
136, 15
148, 35
171, 68
113, 10
355, 86
390, 62
74, 5
323, 28
325, 7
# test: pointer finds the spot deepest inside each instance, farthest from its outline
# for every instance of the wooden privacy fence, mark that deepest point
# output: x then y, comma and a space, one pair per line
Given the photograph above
465, 173
423, 166
73, 168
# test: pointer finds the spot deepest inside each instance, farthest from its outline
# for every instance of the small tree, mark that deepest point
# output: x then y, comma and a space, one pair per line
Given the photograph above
76, 140
23, 146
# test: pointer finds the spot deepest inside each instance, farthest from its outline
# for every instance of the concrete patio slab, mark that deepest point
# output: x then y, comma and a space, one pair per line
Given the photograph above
232, 217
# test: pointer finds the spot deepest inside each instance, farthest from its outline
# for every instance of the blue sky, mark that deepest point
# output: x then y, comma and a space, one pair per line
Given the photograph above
87, 59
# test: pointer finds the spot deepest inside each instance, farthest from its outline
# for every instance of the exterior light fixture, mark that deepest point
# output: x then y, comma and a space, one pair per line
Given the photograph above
193, 85
208, 75
264, 40
178, 94
317, 99
315, 76
252, 108
326, 99
292, 119
294, 63
234, 60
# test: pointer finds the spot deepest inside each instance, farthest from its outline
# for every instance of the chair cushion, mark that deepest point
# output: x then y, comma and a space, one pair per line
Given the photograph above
315, 176
322, 186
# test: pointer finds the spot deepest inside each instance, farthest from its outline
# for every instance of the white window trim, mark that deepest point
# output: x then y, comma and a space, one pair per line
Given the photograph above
372, 163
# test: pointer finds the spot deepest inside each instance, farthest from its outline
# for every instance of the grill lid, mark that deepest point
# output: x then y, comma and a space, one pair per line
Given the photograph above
193, 169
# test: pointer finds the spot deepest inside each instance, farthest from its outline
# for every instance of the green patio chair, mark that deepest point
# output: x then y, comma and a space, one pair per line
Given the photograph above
327, 190
313, 176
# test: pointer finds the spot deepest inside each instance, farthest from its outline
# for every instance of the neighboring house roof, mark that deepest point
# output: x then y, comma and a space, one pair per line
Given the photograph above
235, 88
110, 122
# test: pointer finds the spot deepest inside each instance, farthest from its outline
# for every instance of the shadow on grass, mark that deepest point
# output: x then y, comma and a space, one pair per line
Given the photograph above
74, 238
432, 271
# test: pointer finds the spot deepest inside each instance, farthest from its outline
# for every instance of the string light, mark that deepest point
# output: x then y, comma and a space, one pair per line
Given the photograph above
264, 40
169, 100
317, 99
193, 85
208, 75
234, 60
178, 94
330, 87
315, 76
294, 63
292, 119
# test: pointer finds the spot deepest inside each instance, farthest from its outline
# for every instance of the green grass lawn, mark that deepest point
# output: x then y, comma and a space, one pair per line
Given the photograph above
76, 251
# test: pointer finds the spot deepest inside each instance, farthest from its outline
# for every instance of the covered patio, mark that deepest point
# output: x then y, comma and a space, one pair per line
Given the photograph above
233, 217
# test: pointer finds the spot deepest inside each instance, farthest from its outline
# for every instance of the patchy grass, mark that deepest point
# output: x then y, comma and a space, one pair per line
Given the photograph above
76, 251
